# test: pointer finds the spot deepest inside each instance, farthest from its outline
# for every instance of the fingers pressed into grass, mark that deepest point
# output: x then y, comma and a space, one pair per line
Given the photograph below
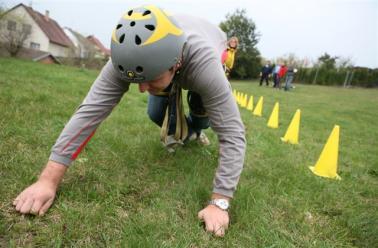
210, 227
15, 201
200, 215
219, 231
19, 203
27, 206
45, 207
36, 207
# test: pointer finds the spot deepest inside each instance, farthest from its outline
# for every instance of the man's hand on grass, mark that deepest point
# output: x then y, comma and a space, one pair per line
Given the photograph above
35, 199
216, 220
38, 197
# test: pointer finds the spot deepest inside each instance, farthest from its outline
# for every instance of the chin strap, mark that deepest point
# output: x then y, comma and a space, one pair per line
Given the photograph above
175, 101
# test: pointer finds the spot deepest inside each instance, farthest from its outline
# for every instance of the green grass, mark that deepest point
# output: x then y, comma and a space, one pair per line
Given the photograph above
126, 190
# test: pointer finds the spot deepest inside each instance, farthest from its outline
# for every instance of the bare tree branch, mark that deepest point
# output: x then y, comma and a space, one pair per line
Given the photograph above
14, 33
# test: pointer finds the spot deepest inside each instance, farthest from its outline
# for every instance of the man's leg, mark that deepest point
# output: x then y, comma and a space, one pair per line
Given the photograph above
286, 83
289, 79
156, 109
267, 79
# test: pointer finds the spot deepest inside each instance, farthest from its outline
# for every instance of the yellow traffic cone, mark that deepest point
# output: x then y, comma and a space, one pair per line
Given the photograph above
250, 103
245, 99
241, 99
327, 162
273, 119
292, 132
259, 106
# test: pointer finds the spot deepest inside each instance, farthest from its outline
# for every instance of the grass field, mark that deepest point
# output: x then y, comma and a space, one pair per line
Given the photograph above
125, 190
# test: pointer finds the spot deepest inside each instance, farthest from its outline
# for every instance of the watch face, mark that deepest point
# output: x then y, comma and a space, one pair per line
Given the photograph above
223, 204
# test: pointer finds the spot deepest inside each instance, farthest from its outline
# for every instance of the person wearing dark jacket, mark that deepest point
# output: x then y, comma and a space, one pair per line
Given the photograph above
266, 70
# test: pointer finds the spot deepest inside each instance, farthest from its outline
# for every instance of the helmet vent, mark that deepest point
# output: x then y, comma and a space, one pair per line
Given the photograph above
147, 12
150, 27
121, 38
119, 26
139, 69
132, 24
120, 67
130, 12
137, 40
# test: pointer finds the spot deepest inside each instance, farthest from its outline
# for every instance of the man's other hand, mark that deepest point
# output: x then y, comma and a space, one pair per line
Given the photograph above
216, 220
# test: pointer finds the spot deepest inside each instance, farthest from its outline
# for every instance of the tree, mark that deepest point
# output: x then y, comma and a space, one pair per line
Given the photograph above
327, 62
13, 33
247, 64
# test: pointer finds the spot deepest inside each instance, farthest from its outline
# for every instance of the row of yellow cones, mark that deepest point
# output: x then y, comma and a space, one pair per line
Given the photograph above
326, 166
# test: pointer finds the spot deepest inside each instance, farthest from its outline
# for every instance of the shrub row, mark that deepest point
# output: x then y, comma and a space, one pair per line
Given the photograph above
357, 76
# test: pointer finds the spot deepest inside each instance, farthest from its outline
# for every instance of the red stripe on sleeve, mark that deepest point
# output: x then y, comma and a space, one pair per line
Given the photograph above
78, 134
77, 152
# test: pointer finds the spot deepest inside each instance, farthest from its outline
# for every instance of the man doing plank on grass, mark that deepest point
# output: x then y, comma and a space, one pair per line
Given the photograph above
162, 54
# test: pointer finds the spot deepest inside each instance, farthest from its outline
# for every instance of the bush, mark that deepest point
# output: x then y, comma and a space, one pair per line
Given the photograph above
357, 76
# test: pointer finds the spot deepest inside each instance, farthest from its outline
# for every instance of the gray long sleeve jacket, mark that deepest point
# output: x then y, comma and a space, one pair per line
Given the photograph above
201, 72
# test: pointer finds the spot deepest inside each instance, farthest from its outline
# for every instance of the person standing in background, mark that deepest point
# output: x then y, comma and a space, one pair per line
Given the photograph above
276, 69
266, 70
289, 77
228, 56
281, 74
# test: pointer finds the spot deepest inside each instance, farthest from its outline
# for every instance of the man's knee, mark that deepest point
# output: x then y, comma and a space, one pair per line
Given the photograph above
156, 117
156, 109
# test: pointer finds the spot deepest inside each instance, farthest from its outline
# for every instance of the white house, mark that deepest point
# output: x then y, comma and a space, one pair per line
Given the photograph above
83, 48
45, 33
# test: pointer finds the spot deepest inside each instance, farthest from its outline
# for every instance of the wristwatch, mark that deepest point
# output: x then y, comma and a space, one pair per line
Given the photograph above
220, 203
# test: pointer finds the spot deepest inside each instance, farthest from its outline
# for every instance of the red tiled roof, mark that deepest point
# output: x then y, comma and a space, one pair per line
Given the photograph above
49, 26
98, 43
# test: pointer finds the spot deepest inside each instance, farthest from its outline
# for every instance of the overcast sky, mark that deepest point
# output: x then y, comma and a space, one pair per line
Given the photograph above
307, 28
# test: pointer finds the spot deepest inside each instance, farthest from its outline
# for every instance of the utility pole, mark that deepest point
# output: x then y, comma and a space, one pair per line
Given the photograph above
316, 75
346, 79
350, 79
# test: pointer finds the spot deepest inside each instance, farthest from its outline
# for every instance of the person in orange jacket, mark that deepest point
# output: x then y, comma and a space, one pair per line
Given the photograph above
228, 57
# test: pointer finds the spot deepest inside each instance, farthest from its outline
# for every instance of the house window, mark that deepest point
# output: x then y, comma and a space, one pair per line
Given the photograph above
11, 25
34, 45
26, 28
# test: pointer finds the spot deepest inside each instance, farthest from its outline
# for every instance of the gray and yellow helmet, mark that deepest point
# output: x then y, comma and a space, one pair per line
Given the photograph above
145, 43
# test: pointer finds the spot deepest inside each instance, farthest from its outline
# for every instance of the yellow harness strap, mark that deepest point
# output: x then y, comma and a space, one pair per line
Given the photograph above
181, 124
